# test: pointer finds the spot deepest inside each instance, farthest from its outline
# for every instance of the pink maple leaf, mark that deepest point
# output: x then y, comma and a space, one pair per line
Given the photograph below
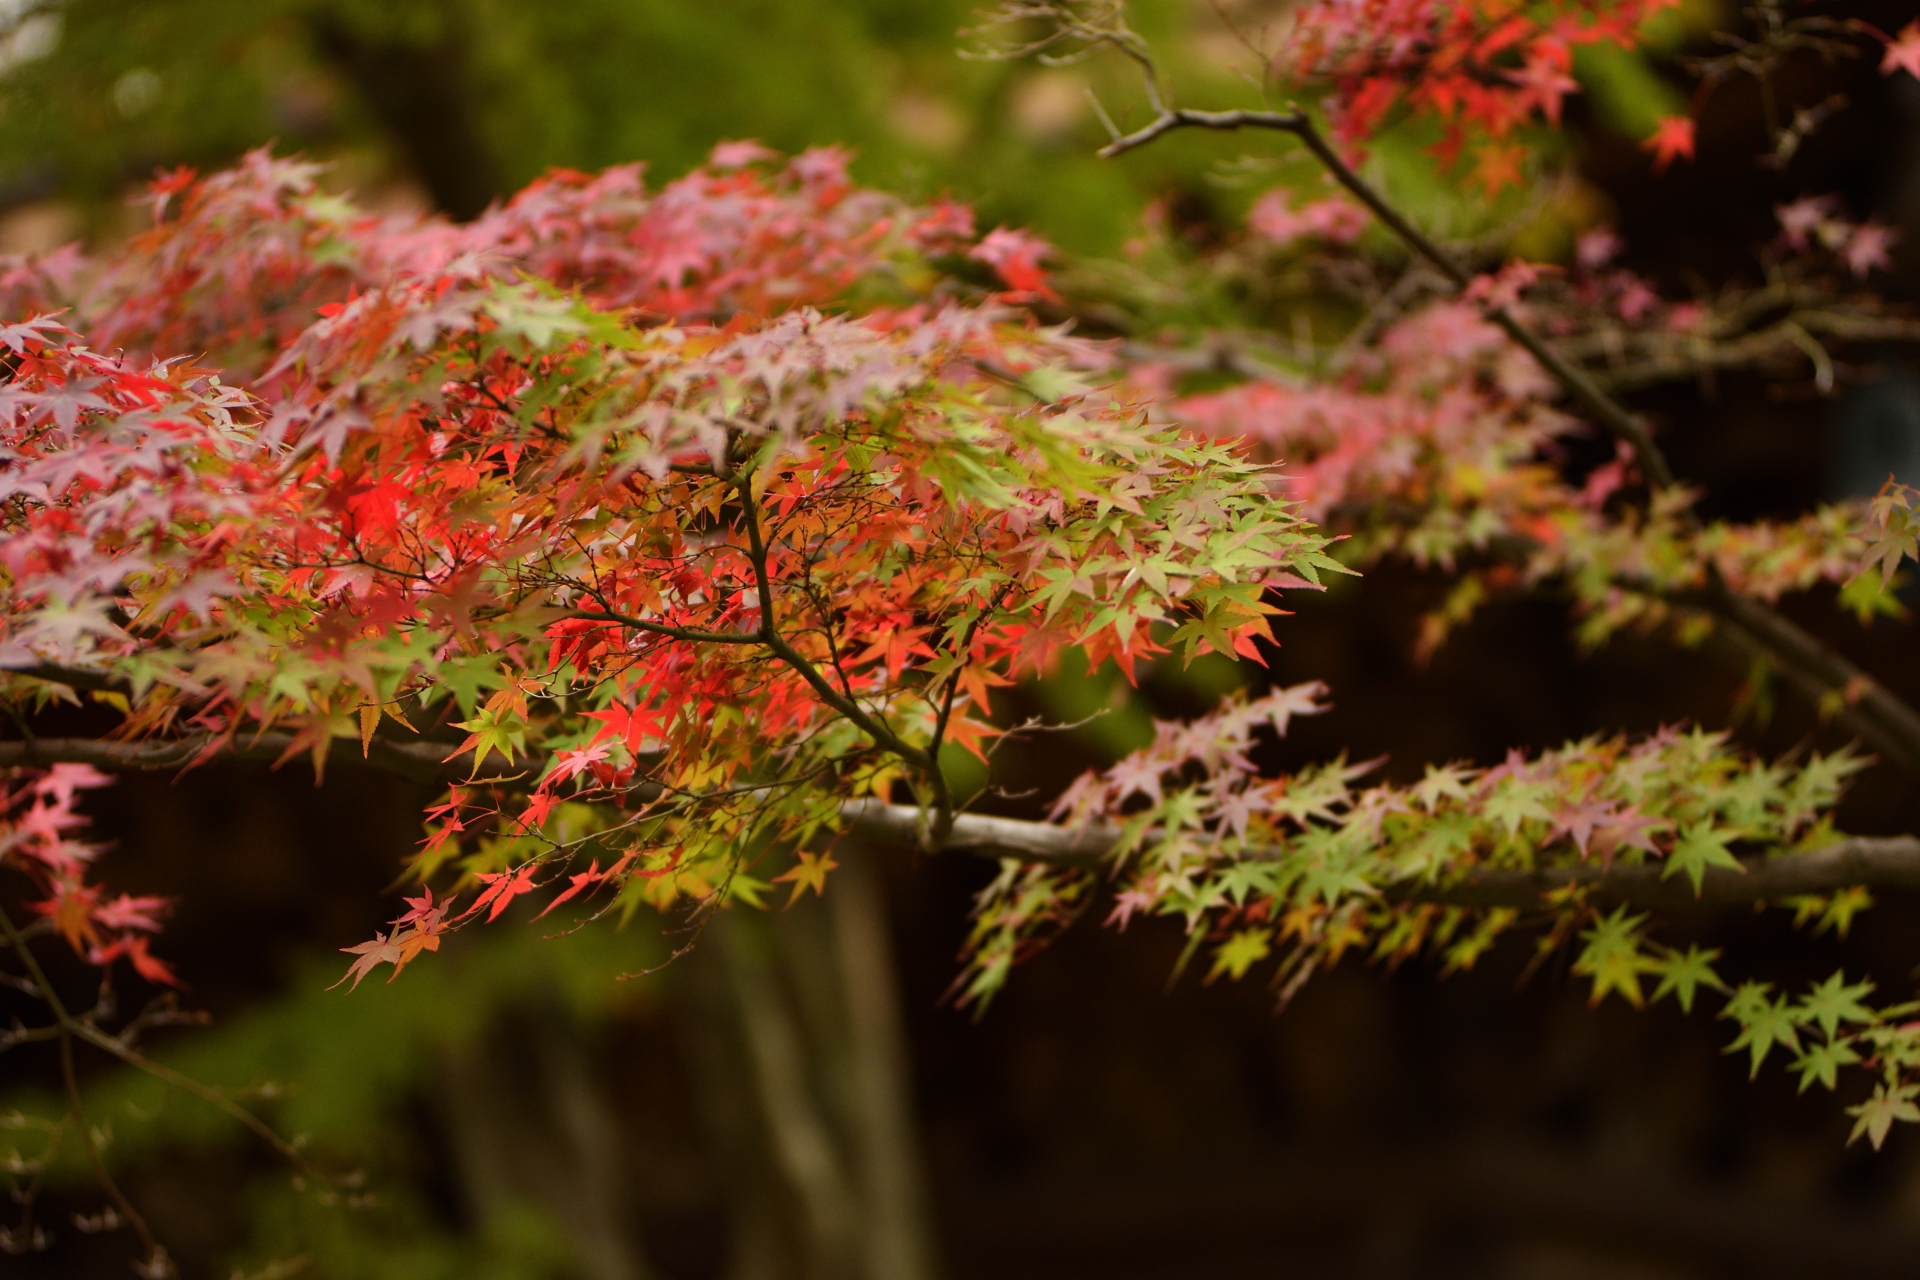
1125, 904
1903, 51
736, 155
128, 912
1866, 248
1804, 217
1015, 257
1579, 821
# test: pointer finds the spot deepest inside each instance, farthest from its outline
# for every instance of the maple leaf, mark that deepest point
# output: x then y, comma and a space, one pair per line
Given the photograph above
376, 951
1876, 1116
60, 781
146, 964
1016, 256
502, 888
1612, 957
1867, 248
1514, 802
1448, 781
1672, 139
1500, 166
1280, 706
1822, 1062
808, 872
1683, 975
1241, 952
574, 885
1833, 1002
1577, 822
1545, 80
1701, 845
493, 729
126, 912
1764, 1023
1903, 54
422, 910
1125, 903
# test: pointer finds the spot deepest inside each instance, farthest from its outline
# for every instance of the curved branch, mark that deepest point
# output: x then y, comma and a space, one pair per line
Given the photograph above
1187, 118
1881, 717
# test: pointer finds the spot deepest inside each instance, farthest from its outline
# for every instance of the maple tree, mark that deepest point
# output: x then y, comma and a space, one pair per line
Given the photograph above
675, 531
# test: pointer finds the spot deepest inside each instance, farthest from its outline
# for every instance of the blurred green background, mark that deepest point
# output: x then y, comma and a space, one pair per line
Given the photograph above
455, 102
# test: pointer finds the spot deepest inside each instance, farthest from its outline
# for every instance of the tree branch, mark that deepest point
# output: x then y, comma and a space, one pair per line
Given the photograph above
671, 633
1888, 861
418, 761
926, 761
1884, 719
1892, 861
1862, 703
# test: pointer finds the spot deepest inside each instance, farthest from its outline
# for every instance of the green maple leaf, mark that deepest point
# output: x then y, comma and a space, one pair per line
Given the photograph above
1243, 878
494, 729
1438, 845
1835, 912
1515, 802
1876, 1115
1868, 597
1182, 810
466, 677
1700, 846
1683, 975
1240, 953
537, 318
1823, 1063
1612, 957
1763, 1023
1832, 1002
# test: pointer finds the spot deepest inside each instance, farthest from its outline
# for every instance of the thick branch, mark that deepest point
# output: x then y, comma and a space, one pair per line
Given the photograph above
1864, 704
1890, 861
420, 761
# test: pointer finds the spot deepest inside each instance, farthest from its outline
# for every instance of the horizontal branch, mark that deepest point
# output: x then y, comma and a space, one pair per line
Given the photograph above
1187, 118
418, 761
73, 677
989, 837
1884, 861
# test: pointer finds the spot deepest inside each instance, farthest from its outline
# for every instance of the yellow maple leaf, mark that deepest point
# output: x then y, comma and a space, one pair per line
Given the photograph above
809, 873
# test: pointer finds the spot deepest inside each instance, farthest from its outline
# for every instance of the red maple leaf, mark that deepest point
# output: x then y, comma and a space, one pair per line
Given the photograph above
1671, 138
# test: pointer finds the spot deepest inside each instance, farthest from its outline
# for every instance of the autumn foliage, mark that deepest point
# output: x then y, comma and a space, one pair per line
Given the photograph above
674, 529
